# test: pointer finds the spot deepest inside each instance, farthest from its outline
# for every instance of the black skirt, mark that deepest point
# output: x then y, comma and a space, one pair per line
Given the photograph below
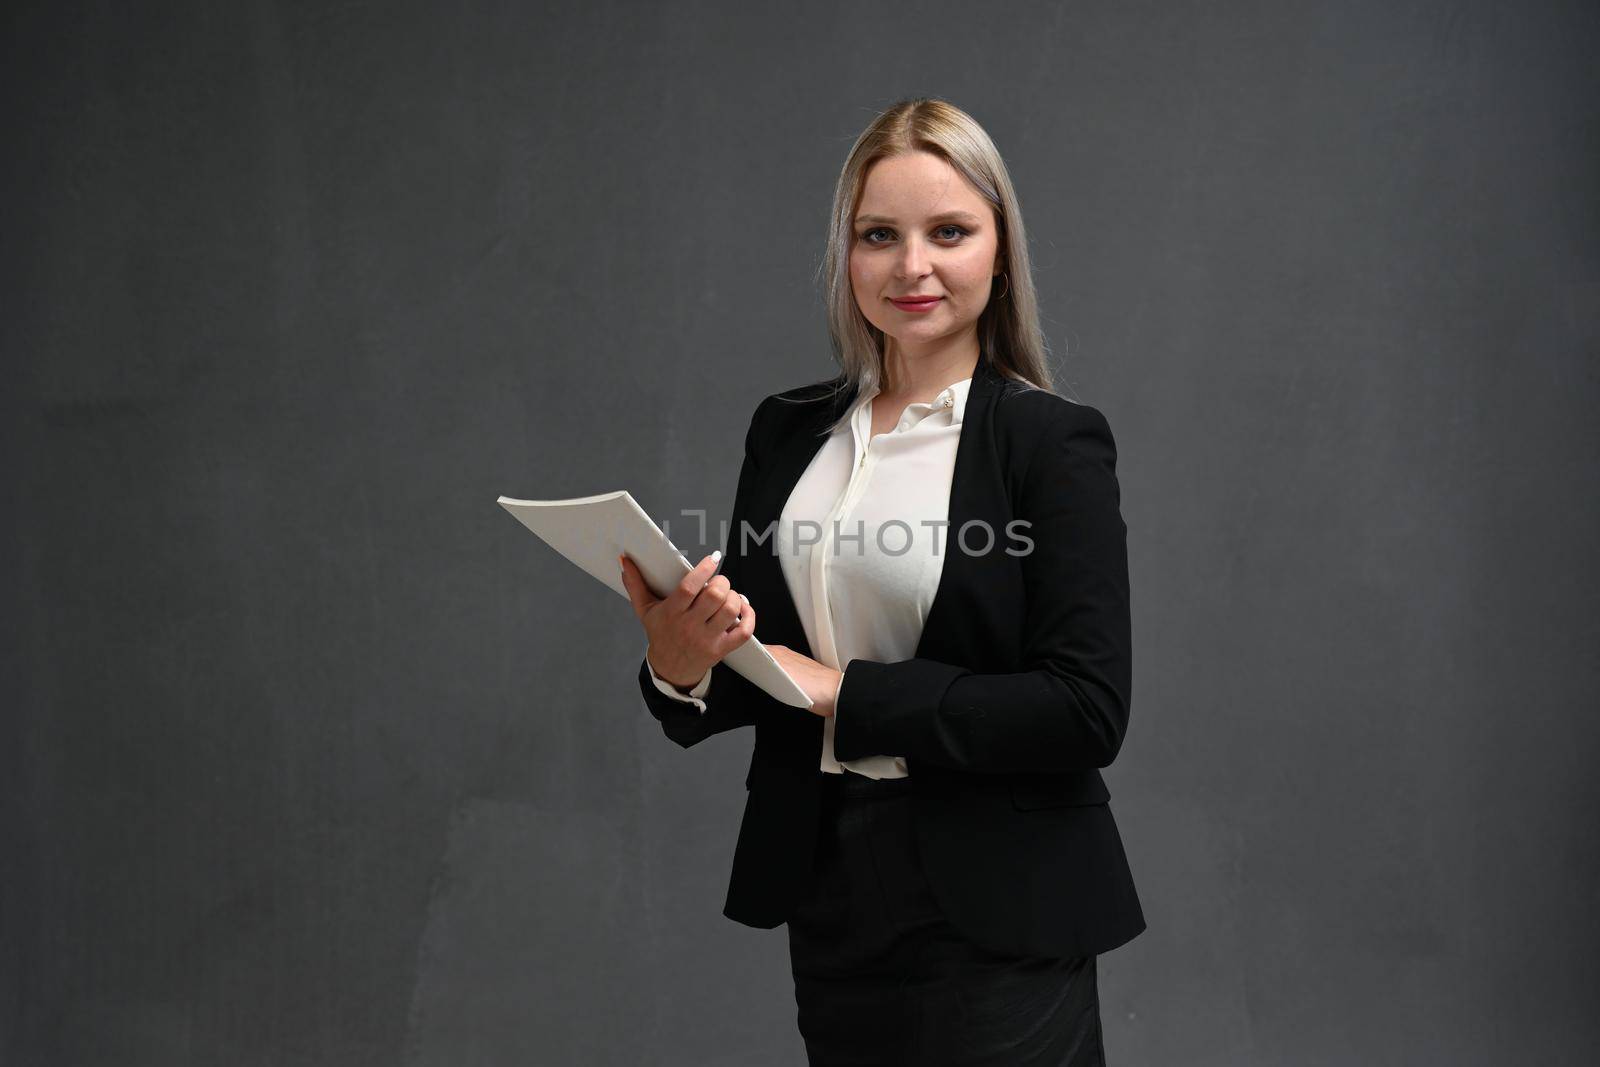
880, 977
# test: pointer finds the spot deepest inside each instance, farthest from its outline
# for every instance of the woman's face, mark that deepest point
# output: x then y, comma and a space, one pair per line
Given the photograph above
922, 230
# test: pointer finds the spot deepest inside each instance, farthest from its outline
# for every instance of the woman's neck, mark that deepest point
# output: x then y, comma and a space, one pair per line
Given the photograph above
924, 377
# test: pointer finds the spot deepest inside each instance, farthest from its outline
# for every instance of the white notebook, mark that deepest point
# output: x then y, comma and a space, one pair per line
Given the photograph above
592, 531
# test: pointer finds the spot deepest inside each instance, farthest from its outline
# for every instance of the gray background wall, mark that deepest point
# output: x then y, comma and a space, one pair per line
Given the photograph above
312, 755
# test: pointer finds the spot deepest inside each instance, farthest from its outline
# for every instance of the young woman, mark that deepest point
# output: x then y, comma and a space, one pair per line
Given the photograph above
935, 541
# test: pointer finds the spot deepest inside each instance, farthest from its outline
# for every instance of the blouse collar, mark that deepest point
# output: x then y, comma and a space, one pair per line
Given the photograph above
952, 398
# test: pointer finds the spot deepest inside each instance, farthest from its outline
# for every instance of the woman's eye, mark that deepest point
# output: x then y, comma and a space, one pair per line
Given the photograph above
948, 232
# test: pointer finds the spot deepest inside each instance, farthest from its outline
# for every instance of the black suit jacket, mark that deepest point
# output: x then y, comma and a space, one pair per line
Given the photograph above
1018, 693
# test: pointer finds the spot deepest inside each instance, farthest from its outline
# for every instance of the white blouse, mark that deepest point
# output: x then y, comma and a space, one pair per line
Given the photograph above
861, 544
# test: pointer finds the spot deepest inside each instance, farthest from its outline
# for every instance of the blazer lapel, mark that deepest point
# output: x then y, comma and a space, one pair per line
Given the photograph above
800, 438
972, 485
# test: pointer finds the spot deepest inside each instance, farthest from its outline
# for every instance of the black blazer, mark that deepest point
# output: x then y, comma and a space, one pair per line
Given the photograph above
1018, 693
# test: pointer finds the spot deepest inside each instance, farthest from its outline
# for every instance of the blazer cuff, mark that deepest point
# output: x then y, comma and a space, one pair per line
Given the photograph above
884, 707
675, 693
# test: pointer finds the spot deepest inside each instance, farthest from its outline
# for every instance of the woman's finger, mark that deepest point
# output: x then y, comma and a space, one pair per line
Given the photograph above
743, 605
689, 586
639, 594
727, 612
741, 632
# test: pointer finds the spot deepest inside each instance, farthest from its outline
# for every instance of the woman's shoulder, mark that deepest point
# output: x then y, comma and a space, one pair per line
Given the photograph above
810, 393
802, 401
779, 415
1027, 412
1042, 436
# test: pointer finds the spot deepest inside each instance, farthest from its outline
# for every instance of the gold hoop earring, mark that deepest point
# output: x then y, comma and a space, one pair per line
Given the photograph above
1007, 279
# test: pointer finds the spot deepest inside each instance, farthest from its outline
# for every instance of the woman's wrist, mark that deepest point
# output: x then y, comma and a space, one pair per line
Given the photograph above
682, 687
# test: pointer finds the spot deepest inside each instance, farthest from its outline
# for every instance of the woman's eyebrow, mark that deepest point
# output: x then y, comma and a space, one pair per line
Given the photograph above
960, 216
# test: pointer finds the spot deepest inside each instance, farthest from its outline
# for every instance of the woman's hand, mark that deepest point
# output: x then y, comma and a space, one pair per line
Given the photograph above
700, 621
821, 683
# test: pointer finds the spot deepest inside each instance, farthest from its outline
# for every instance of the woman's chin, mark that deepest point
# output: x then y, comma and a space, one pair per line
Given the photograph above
922, 334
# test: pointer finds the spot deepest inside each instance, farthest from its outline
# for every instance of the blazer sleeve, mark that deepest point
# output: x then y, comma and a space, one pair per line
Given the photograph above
1068, 708
730, 701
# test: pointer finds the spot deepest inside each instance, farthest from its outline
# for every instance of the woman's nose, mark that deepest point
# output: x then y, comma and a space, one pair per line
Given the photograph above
914, 261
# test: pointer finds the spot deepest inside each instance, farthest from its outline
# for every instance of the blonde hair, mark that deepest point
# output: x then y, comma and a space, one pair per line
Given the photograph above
1009, 336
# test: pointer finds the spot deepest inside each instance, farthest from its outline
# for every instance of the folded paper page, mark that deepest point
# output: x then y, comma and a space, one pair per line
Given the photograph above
592, 531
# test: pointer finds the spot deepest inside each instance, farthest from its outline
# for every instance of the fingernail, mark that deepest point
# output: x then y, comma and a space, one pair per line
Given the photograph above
716, 556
